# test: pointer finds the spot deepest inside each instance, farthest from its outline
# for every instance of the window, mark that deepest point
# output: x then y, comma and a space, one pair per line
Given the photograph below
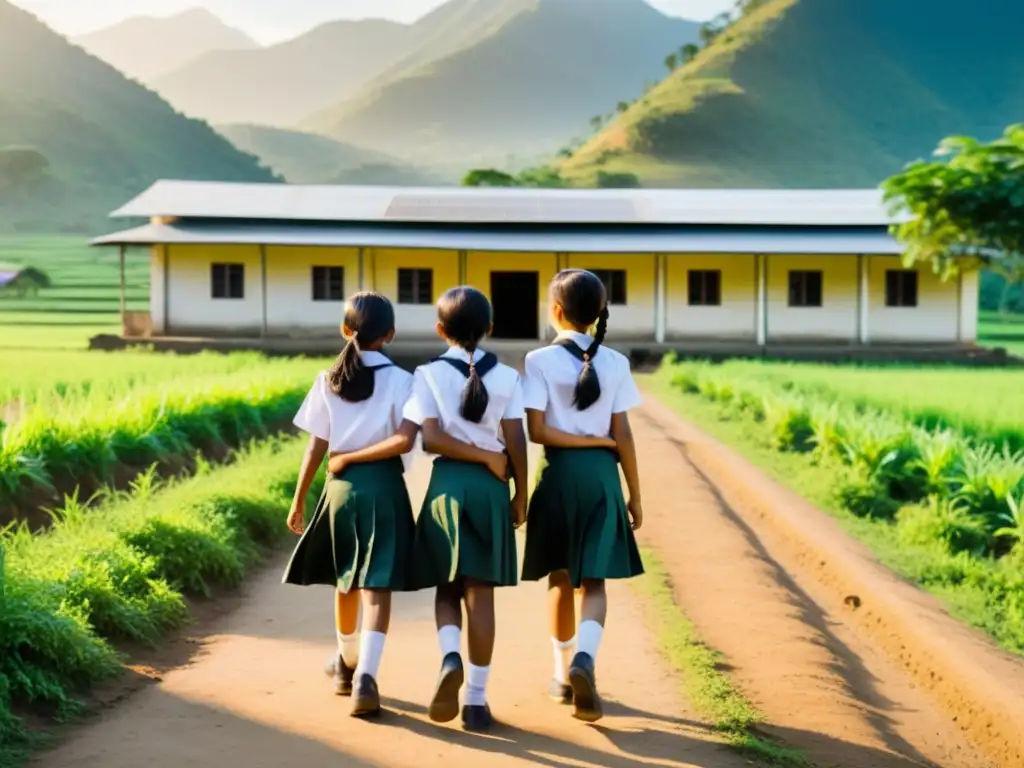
415, 286
328, 283
901, 288
705, 287
805, 288
614, 284
227, 281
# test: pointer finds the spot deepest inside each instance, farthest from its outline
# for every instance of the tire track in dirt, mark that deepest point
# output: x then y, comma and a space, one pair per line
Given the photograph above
256, 696
822, 685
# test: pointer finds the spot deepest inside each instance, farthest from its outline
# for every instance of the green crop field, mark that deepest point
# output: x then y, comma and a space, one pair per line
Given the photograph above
83, 299
925, 464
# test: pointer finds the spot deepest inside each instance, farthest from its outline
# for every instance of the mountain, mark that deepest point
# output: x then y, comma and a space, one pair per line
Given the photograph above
281, 84
536, 73
305, 158
97, 138
805, 93
144, 47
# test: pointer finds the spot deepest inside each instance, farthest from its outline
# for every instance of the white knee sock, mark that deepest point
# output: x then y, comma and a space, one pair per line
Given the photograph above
563, 658
348, 647
450, 639
589, 635
476, 686
371, 649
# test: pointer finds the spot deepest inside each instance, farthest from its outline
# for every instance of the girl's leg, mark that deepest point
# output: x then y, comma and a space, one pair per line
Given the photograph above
562, 621
376, 620
593, 613
346, 627
448, 613
480, 617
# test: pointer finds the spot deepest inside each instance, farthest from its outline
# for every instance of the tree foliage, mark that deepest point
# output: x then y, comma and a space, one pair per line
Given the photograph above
543, 176
489, 177
969, 205
610, 180
22, 165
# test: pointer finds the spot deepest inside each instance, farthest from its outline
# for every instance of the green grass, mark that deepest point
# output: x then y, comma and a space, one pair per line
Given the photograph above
985, 404
706, 686
980, 590
805, 94
60, 436
995, 330
122, 571
83, 300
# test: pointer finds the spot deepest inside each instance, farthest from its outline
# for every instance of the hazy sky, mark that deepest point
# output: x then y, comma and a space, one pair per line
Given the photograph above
273, 20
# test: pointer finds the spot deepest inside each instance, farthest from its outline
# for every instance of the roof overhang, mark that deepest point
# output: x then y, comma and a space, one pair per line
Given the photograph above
604, 239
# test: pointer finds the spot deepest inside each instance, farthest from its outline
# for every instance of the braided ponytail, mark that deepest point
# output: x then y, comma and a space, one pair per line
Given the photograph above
588, 386
465, 316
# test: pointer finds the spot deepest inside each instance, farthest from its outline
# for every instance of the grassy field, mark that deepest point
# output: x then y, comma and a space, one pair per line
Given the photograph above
936, 488
83, 300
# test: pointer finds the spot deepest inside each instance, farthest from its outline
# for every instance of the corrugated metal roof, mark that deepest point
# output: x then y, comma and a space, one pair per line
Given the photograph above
220, 200
791, 240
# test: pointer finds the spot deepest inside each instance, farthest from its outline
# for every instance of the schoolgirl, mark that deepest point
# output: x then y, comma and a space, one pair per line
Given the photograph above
580, 528
360, 537
470, 409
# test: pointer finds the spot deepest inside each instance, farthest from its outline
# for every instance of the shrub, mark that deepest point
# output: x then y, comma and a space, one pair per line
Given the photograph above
943, 522
789, 424
866, 497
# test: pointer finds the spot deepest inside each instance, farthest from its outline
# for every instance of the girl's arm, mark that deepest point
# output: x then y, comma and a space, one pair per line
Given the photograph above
311, 461
623, 436
400, 442
543, 434
515, 442
436, 440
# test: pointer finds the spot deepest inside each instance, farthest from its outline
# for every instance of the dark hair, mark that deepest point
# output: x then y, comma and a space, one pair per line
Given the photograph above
370, 317
582, 297
465, 317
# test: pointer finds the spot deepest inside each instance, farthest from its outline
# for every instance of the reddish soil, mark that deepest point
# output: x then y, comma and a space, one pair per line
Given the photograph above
844, 658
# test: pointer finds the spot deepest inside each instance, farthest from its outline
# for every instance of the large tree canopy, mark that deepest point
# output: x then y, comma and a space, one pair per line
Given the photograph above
969, 204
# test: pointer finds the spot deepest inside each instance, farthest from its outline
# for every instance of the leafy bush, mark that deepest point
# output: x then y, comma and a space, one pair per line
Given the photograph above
946, 523
123, 569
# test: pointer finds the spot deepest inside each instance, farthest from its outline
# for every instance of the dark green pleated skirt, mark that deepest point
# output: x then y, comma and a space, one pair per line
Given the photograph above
465, 528
578, 521
361, 533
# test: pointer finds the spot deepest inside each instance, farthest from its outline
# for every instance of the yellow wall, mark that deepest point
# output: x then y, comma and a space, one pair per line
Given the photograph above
735, 319
190, 306
290, 305
635, 319
382, 265
934, 317
835, 319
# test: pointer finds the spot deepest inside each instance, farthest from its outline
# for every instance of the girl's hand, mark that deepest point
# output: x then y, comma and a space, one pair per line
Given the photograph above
636, 514
336, 464
297, 517
518, 510
497, 463
607, 442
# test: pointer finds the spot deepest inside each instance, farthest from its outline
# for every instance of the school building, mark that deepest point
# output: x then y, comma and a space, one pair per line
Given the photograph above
269, 265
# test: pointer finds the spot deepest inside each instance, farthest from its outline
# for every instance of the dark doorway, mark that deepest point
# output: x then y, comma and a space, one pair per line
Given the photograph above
514, 296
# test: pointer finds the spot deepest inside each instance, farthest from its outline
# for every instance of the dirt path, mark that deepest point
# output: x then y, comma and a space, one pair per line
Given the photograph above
821, 684
255, 696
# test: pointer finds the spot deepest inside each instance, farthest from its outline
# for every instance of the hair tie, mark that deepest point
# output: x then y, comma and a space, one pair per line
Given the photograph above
472, 365
586, 358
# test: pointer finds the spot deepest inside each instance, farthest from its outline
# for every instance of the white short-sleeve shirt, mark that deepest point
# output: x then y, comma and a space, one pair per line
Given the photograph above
353, 426
437, 394
550, 384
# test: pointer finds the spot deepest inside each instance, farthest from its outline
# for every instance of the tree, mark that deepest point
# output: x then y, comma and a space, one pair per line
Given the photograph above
671, 62
596, 122
690, 51
543, 176
621, 107
609, 180
970, 206
20, 165
489, 177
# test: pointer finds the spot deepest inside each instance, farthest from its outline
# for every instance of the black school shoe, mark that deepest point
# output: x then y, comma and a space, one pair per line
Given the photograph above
560, 692
343, 677
477, 718
366, 698
444, 707
585, 698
